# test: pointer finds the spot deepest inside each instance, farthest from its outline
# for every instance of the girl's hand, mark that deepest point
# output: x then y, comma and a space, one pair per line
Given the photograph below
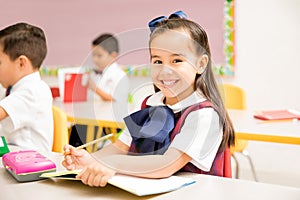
76, 158
96, 174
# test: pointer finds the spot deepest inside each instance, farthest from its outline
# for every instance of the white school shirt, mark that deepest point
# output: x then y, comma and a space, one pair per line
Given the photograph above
113, 81
199, 137
29, 124
2, 92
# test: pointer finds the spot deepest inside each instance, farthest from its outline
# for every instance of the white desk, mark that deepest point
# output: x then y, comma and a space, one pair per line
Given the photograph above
93, 110
249, 128
206, 187
246, 126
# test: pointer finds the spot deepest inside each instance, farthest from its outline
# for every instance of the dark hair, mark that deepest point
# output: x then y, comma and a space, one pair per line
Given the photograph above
108, 42
205, 83
24, 39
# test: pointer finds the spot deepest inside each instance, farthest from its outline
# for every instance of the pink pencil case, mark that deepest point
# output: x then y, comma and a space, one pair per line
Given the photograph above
27, 165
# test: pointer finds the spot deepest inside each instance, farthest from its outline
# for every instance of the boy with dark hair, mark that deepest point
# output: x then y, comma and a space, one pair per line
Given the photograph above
26, 118
108, 80
108, 42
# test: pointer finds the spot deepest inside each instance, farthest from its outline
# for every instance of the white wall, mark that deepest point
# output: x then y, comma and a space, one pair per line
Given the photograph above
268, 53
268, 68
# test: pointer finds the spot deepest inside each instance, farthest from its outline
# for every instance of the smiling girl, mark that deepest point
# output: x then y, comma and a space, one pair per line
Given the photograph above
182, 127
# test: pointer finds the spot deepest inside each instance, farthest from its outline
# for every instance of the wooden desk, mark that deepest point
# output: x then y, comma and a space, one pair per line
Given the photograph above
94, 113
206, 187
249, 128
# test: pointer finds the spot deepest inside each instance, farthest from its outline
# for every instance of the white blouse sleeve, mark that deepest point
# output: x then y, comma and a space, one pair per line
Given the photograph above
200, 137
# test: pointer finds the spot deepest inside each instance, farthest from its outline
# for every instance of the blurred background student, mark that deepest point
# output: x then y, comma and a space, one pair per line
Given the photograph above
107, 80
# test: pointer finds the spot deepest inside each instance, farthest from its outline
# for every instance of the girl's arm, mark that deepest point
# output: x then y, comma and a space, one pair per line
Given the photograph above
97, 173
117, 147
99, 167
148, 166
80, 158
115, 156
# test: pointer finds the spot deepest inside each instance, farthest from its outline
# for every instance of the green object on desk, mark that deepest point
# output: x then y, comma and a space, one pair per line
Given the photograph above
3, 146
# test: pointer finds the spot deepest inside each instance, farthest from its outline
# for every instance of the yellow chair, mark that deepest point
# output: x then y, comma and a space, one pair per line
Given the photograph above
235, 98
61, 135
115, 129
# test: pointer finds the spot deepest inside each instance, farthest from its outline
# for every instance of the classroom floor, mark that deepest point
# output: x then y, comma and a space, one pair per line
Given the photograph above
274, 163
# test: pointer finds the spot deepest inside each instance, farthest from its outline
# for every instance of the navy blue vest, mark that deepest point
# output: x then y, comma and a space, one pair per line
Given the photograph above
155, 128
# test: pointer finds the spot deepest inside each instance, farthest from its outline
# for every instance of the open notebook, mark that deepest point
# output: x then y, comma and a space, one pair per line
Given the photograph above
278, 114
134, 185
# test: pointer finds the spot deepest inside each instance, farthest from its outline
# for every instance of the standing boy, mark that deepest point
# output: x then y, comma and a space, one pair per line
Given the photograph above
26, 118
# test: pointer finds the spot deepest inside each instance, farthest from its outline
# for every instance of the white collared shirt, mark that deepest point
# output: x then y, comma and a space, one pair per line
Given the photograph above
199, 137
113, 81
30, 121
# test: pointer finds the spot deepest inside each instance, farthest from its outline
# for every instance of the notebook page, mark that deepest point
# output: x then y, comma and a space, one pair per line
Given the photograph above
145, 186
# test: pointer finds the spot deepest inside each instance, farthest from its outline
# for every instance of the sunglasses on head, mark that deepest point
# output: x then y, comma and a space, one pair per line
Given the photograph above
154, 22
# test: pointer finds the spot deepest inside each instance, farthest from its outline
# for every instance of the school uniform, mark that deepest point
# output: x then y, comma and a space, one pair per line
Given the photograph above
113, 80
29, 124
2, 92
200, 135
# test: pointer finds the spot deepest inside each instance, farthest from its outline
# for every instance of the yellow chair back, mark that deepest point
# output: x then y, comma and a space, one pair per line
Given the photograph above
61, 135
234, 97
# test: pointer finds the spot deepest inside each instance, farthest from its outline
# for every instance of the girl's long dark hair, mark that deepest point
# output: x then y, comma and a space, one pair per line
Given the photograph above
205, 83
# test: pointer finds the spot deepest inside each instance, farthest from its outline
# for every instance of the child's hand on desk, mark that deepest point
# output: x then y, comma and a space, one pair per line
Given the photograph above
96, 174
76, 158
